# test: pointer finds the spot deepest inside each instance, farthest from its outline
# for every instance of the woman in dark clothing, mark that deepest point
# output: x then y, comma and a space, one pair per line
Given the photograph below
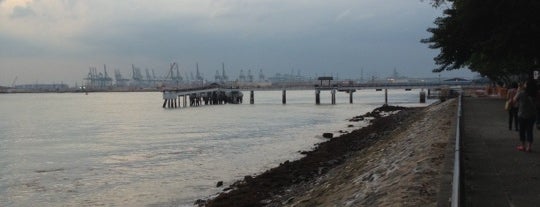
513, 110
526, 114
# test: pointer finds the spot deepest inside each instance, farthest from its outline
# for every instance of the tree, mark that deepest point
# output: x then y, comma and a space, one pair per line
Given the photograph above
496, 38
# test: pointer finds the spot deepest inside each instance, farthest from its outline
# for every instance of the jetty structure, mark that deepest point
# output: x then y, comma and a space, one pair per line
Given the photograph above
215, 93
209, 95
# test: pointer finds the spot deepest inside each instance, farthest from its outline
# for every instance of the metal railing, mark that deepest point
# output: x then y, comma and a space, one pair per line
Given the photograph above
456, 182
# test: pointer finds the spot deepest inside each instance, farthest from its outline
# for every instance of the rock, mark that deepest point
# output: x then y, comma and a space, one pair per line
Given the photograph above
266, 201
219, 184
372, 136
200, 202
332, 162
289, 201
357, 119
350, 125
321, 170
248, 178
328, 135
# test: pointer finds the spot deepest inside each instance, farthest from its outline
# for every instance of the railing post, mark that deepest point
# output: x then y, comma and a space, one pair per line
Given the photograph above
456, 182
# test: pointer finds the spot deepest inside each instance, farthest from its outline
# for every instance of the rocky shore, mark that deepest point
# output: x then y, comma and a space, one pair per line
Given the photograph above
397, 160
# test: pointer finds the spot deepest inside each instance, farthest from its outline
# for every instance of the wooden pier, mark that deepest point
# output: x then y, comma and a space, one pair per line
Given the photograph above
216, 94
211, 95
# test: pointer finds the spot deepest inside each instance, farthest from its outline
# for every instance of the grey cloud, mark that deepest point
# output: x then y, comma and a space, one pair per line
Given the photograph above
19, 48
317, 39
344, 46
22, 12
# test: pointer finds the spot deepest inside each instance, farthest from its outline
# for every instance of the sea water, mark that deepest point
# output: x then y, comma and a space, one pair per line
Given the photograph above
124, 149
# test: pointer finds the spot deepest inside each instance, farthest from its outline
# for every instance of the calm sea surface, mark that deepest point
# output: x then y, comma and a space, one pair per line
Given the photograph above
123, 149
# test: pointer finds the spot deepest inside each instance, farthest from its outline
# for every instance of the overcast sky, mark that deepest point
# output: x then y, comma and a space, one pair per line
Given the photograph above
46, 41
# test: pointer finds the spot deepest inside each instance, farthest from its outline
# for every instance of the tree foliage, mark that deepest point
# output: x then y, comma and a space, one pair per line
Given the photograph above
496, 38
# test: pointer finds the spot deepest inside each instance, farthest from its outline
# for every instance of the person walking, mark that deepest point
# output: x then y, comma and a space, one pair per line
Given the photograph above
513, 109
526, 114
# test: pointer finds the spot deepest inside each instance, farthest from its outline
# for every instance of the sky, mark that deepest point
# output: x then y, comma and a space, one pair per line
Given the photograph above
53, 41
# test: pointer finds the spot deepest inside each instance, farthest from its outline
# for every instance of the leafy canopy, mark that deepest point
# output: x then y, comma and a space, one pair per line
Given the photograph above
496, 38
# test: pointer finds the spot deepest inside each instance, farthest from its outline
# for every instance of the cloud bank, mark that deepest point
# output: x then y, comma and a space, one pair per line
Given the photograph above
60, 39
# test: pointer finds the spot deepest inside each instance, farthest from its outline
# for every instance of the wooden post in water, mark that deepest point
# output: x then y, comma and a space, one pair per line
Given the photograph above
333, 96
179, 100
165, 99
284, 97
386, 96
351, 96
422, 96
317, 97
251, 97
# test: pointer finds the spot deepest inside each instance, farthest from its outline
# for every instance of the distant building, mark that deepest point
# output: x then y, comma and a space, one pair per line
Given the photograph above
3, 89
42, 87
457, 80
283, 78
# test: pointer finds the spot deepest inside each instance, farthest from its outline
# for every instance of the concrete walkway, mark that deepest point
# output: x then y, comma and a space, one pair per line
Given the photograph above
494, 172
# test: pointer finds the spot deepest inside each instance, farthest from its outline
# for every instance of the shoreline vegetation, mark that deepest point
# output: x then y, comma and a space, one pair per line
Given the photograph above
400, 158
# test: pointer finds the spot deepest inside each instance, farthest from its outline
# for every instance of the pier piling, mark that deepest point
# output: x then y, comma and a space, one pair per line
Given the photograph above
422, 96
251, 97
317, 97
284, 97
385, 96
333, 96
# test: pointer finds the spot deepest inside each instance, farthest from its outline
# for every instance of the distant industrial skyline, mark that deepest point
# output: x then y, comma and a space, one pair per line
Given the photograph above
52, 41
197, 73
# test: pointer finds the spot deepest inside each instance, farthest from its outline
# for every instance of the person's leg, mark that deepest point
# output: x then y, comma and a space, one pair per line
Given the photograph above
537, 118
529, 134
522, 133
510, 117
516, 120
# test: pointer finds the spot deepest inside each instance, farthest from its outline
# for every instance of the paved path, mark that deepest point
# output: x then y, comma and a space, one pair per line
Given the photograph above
494, 172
